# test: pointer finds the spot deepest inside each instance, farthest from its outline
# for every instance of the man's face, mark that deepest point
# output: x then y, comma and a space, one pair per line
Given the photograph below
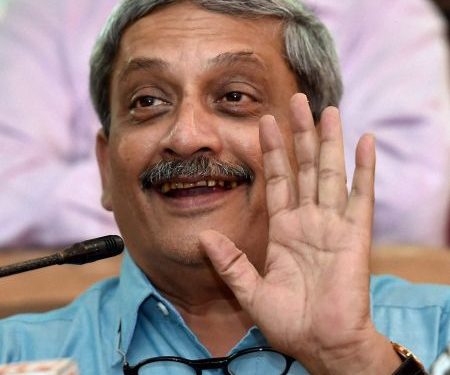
187, 83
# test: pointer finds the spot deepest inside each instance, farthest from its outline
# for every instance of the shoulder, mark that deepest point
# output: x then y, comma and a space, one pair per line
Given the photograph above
390, 291
46, 335
414, 315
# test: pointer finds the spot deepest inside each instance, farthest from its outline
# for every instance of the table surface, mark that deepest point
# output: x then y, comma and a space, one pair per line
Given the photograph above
55, 286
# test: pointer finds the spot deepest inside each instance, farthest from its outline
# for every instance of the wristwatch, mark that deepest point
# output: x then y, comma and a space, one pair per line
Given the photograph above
410, 363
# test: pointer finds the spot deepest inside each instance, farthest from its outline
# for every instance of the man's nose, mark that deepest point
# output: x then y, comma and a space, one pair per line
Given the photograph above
193, 131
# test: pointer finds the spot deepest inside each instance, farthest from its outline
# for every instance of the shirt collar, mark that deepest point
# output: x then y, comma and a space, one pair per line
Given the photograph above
134, 288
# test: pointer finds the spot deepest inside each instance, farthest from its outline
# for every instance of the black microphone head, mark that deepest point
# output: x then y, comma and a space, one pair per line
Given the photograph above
92, 250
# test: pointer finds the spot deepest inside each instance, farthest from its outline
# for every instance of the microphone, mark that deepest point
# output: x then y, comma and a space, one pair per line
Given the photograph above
79, 253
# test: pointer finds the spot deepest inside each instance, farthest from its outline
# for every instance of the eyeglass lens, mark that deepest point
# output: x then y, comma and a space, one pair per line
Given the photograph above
270, 363
166, 368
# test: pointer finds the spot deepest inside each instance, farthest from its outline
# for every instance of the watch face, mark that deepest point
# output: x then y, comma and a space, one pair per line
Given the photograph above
442, 364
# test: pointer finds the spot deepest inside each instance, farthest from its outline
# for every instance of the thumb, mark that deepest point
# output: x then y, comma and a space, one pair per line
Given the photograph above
232, 265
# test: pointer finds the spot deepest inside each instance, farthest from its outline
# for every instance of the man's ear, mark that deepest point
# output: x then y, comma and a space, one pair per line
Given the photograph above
101, 149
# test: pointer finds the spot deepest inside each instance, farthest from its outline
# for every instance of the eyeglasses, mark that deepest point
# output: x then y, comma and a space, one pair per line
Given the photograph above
260, 360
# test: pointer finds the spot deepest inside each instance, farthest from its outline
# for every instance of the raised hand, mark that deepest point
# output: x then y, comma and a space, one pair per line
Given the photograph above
312, 301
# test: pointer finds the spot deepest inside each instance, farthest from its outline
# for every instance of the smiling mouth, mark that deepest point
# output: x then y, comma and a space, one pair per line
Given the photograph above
179, 189
199, 175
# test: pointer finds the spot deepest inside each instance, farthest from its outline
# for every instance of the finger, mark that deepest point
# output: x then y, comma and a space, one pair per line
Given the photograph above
306, 143
231, 264
332, 178
362, 195
280, 187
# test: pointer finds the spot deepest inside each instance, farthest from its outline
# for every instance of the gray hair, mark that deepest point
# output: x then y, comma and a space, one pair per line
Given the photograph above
309, 48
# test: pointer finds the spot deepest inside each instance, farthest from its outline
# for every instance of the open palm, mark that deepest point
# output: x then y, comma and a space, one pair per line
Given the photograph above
313, 298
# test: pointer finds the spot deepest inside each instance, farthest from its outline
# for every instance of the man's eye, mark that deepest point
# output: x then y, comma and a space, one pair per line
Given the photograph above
146, 101
234, 96
238, 103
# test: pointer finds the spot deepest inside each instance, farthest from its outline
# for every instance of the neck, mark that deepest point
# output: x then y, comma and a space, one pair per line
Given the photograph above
206, 304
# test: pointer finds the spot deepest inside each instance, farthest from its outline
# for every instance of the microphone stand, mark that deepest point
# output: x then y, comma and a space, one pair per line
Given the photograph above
79, 253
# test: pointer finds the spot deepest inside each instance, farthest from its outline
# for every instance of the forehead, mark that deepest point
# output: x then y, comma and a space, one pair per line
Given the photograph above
184, 31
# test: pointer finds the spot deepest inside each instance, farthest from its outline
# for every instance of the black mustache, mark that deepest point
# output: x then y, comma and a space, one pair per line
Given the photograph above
200, 167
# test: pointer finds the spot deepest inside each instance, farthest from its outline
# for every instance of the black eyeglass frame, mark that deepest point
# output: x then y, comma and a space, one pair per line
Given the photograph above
206, 364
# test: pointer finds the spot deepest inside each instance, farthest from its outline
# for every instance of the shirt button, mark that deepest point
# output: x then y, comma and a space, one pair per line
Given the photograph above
163, 308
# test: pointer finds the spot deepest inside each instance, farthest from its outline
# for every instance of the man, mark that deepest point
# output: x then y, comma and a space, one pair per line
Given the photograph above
395, 72
233, 207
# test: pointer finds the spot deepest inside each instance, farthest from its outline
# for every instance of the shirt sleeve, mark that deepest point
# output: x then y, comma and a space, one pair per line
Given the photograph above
394, 59
49, 190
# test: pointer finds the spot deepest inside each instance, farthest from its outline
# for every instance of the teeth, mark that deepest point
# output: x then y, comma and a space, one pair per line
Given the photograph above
165, 188
168, 186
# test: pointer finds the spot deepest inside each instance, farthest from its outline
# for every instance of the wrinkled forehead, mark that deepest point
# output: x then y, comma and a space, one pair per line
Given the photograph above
179, 32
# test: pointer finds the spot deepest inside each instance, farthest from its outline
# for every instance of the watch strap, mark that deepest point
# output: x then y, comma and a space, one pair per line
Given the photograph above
410, 363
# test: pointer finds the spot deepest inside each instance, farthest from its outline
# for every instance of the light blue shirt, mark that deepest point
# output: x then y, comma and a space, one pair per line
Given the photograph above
128, 312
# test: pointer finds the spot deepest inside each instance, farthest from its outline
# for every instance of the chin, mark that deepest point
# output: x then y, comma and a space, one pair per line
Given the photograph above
184, 251
194, 258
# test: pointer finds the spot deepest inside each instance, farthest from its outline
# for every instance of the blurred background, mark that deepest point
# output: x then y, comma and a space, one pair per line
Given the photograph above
2, 6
